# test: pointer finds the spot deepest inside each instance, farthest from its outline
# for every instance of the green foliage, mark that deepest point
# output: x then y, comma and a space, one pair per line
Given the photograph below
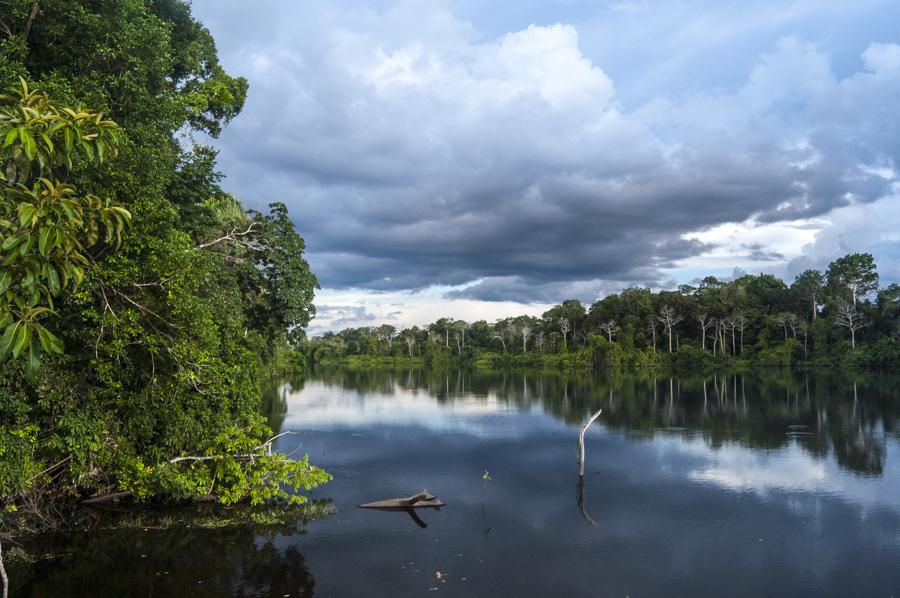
173, 301
46, 227
752, 320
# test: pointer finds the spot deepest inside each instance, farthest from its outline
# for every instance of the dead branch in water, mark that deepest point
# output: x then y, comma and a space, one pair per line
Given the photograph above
581, 508
581, 441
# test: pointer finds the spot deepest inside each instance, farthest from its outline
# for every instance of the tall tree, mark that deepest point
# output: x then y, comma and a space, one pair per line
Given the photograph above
808, 286
669, 319
854, 273
850, 318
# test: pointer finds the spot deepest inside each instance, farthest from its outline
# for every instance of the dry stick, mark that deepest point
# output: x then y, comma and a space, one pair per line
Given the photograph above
3, 574
581, 441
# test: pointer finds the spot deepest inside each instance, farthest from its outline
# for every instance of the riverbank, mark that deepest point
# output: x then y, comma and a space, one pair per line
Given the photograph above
601, 354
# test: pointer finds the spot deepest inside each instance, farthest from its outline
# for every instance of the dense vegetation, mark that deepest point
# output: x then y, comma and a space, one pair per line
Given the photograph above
140, 305
839, 317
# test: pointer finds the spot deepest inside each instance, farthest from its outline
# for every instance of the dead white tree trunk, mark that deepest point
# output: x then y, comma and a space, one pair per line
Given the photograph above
706, 323
564, 328
851, 319
525, 331
610, 328
3, 574
581, 441
669, 319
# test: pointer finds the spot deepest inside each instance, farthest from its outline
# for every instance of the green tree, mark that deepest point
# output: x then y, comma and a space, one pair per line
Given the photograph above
855, 274
169, 337
808, 287
47, 228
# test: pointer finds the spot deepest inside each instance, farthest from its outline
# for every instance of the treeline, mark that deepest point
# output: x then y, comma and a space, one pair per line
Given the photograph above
837, 317
141, 306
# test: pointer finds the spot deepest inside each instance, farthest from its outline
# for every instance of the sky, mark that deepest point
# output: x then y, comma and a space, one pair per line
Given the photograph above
478, 159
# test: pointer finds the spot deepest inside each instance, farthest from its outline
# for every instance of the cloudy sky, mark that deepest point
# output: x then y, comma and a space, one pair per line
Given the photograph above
479, 158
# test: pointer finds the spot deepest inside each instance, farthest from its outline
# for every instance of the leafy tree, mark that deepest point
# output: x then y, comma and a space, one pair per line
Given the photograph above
47, 227
169, 336
855, 274
809, 286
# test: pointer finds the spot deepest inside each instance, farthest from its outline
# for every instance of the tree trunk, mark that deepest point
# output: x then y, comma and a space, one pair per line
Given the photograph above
852, 338
670, 338
28, 23
3, 576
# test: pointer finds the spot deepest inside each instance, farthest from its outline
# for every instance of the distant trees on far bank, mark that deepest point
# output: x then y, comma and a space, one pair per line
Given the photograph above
841, 316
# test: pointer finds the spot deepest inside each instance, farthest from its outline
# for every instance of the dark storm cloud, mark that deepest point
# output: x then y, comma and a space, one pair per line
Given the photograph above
413, 152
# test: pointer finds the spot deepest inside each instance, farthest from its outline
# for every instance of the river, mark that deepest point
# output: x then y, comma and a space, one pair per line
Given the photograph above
748, 484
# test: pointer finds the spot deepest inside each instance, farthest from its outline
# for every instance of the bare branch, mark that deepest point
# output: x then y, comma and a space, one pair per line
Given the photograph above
233, 236
265, 448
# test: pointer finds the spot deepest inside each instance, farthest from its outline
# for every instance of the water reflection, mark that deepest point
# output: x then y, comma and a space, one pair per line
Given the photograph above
846, 416
746, 484
237, 561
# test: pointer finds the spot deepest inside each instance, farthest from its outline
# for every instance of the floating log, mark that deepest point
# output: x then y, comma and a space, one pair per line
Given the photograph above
417, 501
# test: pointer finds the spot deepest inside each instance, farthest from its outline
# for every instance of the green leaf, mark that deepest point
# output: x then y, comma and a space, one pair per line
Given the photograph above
10, 242
53, 279
26, 211
6, 278
22, 339
10, 137
49, 341
45, 242
30, 147
6, 341
34, 361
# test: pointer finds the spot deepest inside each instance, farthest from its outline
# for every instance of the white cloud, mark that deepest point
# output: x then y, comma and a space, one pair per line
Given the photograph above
880, 58
417, 152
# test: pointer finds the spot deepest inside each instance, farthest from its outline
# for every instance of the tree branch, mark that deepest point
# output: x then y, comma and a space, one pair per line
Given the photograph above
232, 236
265, 446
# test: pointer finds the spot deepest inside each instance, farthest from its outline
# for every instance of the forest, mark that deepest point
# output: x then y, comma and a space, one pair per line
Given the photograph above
841, 317
141, 306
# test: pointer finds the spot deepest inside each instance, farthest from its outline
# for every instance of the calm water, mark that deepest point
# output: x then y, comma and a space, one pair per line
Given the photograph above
763, 484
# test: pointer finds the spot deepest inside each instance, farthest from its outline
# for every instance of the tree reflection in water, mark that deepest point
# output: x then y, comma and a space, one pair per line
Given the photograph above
847, 414
240, 560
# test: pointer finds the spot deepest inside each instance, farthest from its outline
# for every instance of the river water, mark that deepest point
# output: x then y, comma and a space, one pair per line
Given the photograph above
765, 483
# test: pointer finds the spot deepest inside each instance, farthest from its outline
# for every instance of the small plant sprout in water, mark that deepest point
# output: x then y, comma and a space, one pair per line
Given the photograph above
485, 477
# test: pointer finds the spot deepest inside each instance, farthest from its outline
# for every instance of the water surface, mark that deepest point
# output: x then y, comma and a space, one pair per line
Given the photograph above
765, 483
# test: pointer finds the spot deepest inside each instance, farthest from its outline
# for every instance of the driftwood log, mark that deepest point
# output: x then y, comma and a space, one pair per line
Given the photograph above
423, 499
